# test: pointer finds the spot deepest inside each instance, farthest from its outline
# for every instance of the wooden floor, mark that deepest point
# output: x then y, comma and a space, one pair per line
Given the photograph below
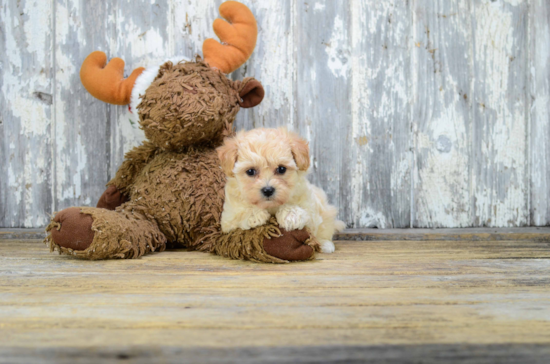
388, 301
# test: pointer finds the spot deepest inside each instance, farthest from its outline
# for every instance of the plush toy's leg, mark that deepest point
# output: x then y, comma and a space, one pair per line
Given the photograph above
111, 198
267, 243
96, 233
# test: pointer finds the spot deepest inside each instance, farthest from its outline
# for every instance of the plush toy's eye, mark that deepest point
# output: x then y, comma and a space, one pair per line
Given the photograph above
281, 170
251, 172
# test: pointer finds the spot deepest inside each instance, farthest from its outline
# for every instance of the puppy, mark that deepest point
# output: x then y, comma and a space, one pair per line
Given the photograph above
266, 176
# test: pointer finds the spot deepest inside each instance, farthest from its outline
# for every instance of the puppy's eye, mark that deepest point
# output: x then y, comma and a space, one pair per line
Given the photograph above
251, 172
281, 170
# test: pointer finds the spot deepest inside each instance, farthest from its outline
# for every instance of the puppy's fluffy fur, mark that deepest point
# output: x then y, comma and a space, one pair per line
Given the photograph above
266, 175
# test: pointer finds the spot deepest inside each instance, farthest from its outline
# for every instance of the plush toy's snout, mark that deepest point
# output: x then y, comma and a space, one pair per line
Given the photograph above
187, 104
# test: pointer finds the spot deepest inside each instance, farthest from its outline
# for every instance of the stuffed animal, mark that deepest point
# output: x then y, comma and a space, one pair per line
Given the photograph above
170, 189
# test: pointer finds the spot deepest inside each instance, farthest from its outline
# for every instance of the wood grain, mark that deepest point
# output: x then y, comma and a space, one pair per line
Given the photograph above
458, 234
379, 194
500, 167
429, 354
539, 112
441, 117
323, 47
26, 113
416, 296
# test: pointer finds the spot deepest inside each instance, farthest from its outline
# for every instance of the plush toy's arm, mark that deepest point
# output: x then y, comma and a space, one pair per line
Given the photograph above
267, 243
111, 198
134, 161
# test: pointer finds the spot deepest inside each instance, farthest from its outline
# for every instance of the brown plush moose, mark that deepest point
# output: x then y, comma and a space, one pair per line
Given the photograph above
170, 189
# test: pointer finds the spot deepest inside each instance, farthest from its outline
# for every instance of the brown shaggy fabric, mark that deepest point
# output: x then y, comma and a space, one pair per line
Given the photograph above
134, 161
174, 182
248, 244
116, 234
188, 104
183, 193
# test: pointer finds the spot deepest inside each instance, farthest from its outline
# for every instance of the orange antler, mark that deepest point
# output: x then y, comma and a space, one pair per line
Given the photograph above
107, 83
238, 38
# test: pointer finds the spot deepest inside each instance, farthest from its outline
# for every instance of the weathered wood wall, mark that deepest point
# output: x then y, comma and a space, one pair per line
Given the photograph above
420, 113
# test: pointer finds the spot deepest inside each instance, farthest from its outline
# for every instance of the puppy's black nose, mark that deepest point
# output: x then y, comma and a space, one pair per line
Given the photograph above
268, 191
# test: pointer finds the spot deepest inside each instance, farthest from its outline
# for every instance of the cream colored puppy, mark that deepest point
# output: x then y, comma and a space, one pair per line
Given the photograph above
266, 176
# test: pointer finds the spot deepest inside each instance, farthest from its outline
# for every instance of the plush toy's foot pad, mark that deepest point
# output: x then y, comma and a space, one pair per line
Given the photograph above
75, 230
291, 245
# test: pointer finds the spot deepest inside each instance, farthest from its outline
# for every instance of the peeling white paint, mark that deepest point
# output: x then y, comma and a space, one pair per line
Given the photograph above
376, 59
539, 115
373, 219
273, 60
32, 115
359, 95
337, 49
25, 92
501, 197
319, 6
443, 194
193, 24
379, 106
513, 2
35, 27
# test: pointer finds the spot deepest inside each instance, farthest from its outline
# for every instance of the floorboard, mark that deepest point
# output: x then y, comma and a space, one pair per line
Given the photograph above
388, 301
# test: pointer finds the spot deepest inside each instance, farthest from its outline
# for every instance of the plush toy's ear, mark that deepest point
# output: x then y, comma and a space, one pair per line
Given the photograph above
228, 155
300, 151
251, 93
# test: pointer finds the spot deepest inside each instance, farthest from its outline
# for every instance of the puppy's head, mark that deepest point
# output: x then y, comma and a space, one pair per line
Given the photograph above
266, 163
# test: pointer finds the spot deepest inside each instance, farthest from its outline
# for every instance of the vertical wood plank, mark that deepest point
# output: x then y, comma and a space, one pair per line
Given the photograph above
192, 24
377, 158
441, 113
273, 63
500, 173
81, 121
539, 83
26, 90
323, 93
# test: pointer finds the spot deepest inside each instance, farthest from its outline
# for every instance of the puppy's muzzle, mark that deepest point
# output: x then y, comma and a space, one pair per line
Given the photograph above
268, 191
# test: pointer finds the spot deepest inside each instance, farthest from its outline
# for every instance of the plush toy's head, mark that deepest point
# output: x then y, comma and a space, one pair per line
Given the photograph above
185, 103
190, 103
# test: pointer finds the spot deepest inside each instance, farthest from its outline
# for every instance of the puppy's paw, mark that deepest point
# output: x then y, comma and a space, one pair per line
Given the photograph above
258, 218
327, 246
292, 218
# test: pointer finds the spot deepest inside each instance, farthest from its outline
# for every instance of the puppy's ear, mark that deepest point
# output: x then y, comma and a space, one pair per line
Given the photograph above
228, 155
300, 151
